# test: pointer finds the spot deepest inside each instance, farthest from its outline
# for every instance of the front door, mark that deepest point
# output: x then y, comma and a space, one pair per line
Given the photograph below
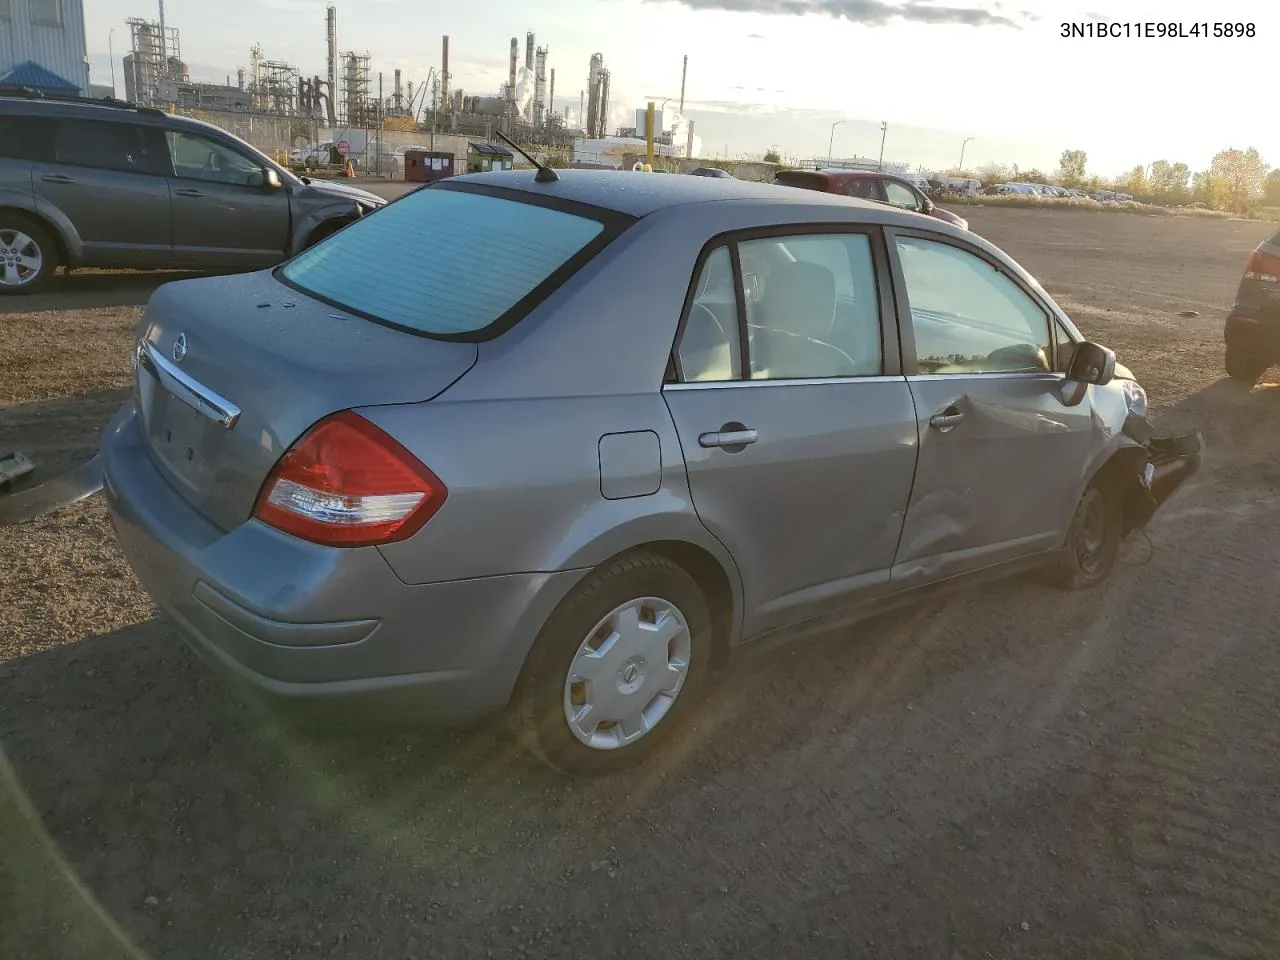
107, 177
224, 212
800, 437
1000, 453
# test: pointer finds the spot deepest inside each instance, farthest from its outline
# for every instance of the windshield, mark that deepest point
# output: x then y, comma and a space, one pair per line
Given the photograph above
444, 262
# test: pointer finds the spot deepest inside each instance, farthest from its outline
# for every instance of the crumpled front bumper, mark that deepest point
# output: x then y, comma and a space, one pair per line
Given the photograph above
1169, 462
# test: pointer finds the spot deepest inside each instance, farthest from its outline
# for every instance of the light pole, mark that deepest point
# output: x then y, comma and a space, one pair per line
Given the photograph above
963, 144
111, 55
832, 140
884, 132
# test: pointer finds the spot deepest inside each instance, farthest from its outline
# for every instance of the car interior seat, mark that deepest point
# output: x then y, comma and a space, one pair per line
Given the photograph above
795, 323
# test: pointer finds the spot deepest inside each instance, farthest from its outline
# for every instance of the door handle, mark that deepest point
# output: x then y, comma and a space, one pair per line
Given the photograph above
946, 420
729, 438
57, 178
196, 194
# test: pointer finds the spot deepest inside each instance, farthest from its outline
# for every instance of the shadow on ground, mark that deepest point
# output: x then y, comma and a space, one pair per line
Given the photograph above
93, 290
61, 433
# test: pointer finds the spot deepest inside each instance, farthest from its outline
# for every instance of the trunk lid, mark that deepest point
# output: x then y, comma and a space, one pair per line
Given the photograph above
273, 362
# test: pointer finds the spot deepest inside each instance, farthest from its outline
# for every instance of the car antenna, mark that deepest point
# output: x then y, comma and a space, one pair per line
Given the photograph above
545, 174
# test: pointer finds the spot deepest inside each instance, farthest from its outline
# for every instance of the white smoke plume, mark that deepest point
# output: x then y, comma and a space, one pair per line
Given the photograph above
678, 126
524, 88
622, 113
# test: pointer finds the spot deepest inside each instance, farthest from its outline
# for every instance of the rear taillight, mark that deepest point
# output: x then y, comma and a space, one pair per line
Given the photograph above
1262, 266
346, 483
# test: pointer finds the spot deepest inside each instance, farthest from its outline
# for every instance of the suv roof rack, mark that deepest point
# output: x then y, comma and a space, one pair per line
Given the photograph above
30, 93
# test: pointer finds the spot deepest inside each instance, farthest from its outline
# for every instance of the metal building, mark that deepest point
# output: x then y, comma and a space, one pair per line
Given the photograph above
42, 44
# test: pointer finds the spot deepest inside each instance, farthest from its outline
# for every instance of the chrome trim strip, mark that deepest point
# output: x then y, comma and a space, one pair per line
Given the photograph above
988, 376
724, 384
190, 391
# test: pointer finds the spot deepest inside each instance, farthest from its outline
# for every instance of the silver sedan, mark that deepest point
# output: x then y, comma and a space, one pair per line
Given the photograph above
560, 446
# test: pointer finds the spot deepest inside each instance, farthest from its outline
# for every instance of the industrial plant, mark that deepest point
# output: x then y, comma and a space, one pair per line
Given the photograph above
350, 94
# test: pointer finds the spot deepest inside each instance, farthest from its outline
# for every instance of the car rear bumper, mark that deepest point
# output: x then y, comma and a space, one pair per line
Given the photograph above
317, 633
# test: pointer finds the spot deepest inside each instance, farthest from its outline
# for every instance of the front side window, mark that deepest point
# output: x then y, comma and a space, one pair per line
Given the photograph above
45, 12
900, 195
968, 317
1064, 349
862, 187
25, 138
200, 158
123, 147
395, 266
813, 309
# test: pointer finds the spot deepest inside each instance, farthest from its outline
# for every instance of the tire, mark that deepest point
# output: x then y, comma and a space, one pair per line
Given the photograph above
1093, 541
579, 631
1245, 366
24, 242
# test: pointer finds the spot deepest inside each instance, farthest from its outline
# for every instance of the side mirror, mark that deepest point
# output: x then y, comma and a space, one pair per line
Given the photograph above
1092, 363
272, 179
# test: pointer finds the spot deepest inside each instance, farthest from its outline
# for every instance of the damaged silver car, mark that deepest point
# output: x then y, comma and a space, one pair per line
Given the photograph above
617, 427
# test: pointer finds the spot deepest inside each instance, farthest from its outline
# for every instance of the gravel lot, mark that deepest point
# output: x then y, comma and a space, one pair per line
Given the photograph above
1009, 772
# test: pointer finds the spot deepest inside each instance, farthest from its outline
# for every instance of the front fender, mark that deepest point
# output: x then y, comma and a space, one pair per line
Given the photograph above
339, 211
52, 217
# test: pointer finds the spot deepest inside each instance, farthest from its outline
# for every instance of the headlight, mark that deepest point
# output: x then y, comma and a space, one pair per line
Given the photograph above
1135, 397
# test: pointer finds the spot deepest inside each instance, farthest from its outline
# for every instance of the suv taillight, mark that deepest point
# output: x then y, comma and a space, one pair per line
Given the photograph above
1262, 266
346, 483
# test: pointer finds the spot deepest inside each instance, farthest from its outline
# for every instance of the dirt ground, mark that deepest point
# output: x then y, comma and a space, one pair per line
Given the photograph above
1009, 772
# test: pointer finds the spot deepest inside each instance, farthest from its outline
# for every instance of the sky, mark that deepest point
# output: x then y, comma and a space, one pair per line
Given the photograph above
779, 73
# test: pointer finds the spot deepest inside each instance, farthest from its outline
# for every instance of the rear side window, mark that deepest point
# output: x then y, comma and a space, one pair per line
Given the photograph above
124, 147
445, 262
26, 138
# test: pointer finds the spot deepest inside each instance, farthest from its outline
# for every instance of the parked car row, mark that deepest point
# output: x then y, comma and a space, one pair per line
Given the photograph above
93, 183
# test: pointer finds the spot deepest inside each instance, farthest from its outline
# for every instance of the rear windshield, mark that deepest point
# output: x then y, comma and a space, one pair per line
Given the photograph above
799, 178
442, 262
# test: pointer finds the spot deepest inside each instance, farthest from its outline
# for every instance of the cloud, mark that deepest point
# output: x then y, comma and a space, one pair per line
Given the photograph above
875, 13
755, 36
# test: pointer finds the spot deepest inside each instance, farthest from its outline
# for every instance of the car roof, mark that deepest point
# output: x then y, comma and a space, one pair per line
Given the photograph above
640, 194
87, 108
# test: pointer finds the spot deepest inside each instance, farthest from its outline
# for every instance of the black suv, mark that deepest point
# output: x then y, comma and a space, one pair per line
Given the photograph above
104, 183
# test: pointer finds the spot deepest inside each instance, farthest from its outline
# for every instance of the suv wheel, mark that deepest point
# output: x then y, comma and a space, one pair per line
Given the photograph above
28, 256
617, 667
1244, 365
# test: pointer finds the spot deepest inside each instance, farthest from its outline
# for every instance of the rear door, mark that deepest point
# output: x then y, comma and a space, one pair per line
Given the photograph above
107, 177
224, 212
1001, 456
797, 426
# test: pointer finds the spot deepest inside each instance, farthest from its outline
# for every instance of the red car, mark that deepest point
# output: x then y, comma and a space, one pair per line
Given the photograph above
869, 185
1252, 330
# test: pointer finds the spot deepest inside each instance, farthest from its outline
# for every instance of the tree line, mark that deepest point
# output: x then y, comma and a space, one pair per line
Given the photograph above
1237, 180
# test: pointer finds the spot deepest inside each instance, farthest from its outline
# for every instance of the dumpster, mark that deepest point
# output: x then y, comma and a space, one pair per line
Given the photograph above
427, 166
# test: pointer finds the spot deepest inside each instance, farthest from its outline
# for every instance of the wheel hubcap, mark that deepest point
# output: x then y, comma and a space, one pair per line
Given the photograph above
20, 258
627, 673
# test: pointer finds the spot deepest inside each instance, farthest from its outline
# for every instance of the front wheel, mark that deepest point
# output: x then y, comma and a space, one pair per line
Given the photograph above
1093, 541
617, 667
28, 257
1245, 366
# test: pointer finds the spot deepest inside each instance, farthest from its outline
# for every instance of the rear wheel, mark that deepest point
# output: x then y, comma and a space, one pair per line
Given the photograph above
28, 255
1093, 540
1245, 365
617, 667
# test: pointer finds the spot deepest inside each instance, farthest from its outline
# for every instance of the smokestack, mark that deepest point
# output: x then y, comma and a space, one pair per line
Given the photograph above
511, 85
331, 18
164, 41
551, 100
688, 149
396, 88
528, 51
444, 75
603, 116
684, 72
